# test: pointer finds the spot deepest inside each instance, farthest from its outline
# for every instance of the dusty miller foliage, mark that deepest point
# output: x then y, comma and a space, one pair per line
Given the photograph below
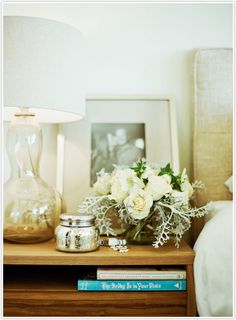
99, 207
169, 220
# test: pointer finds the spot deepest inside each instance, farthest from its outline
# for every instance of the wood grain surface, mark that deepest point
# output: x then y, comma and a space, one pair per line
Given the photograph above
45, 253
72, 303
41, 281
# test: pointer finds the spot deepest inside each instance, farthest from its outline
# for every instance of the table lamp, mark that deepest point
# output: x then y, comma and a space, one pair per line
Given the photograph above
43, 80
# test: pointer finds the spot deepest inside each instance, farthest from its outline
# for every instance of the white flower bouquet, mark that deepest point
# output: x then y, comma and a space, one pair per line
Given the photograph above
149, 199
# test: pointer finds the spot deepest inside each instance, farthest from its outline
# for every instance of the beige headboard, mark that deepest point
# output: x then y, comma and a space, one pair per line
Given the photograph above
213, 124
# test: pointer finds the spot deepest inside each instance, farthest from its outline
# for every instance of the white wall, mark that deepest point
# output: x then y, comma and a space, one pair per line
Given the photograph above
138, 49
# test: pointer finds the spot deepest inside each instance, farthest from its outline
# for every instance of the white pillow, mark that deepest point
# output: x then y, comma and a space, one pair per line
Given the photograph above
229, 183
216, 207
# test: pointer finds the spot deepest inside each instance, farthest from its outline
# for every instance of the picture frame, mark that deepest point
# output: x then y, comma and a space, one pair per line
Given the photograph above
156, 113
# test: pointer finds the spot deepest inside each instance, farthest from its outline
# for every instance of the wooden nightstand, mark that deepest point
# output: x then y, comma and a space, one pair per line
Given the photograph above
41, 281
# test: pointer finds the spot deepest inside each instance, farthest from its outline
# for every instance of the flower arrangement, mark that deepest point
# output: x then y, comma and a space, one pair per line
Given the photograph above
145, 195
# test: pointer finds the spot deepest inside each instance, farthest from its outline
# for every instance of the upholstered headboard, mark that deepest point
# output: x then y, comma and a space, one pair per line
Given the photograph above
213, 124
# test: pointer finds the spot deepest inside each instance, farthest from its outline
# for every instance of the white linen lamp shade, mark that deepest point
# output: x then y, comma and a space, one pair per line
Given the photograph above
43, 76
43, 69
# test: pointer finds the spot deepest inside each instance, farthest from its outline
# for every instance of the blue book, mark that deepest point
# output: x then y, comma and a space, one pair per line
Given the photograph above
131, 285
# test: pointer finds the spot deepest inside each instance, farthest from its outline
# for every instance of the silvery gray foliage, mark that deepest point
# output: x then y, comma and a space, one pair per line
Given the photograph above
99, 207
169, 219
174, 222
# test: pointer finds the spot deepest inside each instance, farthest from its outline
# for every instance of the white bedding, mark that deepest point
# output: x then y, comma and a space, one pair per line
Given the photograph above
213, 264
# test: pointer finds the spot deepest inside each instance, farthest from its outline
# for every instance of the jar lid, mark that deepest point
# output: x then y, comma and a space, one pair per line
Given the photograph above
77, 219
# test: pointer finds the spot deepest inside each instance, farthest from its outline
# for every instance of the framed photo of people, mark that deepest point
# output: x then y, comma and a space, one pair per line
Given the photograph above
119, 130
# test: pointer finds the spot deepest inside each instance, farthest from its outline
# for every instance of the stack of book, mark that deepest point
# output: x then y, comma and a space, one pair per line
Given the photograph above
135, 279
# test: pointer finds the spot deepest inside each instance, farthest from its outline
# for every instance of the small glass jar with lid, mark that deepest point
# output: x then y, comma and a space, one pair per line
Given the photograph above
77, 233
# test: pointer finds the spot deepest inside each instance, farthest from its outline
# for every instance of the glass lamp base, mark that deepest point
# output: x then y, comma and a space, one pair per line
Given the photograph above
21, 235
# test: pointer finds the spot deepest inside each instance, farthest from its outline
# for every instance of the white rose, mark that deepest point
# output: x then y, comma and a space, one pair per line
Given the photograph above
150, 171
103, 184
138, 203
122, 181
167, 178
158, 186
185, 185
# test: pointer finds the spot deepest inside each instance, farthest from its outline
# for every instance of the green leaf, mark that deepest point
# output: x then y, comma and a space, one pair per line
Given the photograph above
166, 170
175, 180
139, 167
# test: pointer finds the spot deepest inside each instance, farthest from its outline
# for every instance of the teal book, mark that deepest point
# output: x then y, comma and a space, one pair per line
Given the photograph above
131, 285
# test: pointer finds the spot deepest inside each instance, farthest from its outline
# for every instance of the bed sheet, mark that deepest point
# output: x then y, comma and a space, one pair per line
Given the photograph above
213, 264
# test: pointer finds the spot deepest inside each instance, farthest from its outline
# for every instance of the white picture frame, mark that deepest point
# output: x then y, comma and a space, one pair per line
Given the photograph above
161, 142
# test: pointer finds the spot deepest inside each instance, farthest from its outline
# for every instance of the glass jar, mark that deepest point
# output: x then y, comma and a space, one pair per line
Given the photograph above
77, 233
29, 203
142, 232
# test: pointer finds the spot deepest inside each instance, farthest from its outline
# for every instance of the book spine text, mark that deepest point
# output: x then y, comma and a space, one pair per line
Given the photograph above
131, 285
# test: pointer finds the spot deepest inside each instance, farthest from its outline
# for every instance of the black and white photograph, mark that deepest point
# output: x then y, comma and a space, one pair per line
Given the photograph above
115, 144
